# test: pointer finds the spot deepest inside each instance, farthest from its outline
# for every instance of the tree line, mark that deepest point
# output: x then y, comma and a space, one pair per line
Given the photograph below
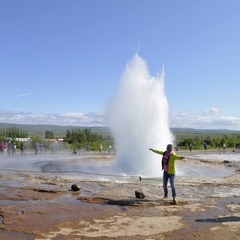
79, 138
13, 133
76, 138
231, 141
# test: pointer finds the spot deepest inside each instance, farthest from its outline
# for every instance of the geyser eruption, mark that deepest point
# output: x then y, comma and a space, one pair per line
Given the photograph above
138, 119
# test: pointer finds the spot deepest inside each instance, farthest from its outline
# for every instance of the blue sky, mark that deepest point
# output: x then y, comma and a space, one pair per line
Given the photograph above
62, 60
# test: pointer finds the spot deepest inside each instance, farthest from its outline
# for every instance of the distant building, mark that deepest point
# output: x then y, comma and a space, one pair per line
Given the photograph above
54, 139
22, 139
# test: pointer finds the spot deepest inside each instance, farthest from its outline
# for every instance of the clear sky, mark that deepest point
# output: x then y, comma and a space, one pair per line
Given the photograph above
62, 60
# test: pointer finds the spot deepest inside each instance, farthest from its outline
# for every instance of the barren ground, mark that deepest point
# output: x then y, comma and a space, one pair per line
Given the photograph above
43, 207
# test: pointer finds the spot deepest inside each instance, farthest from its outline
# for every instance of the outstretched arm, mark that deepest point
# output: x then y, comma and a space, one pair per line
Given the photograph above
156, 151
178, 157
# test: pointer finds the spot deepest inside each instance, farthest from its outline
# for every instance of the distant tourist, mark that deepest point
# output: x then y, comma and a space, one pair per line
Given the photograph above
79, 148
74, 151
190, 147
87, 147
224, 146
109, 149
9, 148
45, 148
22, 148
5, 147
1, 146
54, 147
36, 148
205, 146
14, 147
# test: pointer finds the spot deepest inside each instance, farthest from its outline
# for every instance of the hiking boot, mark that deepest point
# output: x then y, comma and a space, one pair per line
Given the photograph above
175, 201
165, 198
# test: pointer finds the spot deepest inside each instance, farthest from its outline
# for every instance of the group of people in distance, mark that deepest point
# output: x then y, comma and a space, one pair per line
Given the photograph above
10, 147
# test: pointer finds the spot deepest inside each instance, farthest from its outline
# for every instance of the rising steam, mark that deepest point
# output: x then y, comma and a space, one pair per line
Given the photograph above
138, 120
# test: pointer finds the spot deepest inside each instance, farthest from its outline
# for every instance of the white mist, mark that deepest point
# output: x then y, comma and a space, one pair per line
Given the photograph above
138, 120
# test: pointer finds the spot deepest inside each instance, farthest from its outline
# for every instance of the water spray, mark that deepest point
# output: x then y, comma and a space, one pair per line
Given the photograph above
138, 119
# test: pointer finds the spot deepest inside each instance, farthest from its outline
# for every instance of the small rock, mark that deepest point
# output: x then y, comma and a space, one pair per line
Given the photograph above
75, 188
226, 161
139, 194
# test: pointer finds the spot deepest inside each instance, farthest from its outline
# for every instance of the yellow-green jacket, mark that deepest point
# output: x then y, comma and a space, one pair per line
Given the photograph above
171, 161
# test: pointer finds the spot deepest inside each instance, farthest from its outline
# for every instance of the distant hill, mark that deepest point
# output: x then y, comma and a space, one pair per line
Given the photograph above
57, 130
181, 133
198, 131
61, 130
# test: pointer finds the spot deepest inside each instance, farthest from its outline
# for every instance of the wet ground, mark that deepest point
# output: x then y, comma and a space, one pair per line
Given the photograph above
41, 205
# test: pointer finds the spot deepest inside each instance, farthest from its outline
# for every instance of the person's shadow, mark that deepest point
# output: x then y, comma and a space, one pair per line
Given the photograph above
220, 220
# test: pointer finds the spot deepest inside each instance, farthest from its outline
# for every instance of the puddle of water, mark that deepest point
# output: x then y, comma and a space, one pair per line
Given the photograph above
228, 201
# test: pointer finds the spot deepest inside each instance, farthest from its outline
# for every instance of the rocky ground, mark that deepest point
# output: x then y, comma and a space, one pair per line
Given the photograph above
44, 207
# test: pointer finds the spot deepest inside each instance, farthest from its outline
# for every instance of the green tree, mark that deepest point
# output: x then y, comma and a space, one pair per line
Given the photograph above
49, 134
36, 139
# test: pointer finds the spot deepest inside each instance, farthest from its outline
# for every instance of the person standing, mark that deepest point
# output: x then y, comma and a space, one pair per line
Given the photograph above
87, 147
22, 148
169, 169
109, 149
9, 148
36, 148
224, 146
14, 147
205, 146
190, 147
